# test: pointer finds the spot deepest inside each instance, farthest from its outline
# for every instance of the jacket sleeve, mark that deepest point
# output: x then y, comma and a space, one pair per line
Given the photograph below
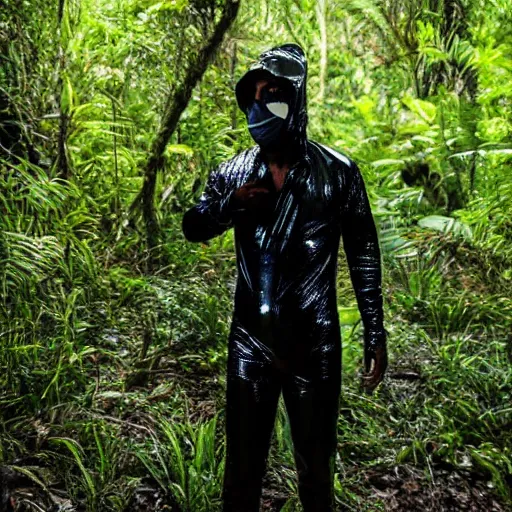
361, 246
212, 215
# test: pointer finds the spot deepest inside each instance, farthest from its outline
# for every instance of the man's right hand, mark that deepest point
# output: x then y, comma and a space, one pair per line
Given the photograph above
253, 198
375, 360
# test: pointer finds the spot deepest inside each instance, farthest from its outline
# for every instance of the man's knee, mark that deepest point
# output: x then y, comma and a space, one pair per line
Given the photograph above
315, 471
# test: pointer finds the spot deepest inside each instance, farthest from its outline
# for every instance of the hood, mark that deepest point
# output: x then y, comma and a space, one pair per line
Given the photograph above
286, 61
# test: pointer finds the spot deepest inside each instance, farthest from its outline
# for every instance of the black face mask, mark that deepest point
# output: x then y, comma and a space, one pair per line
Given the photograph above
268, 120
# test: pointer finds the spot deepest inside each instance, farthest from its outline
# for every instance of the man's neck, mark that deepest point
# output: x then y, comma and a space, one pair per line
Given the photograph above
276, 167
279, 166
277, 160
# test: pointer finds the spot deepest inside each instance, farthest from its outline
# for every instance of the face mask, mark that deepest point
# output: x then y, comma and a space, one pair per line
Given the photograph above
267, 122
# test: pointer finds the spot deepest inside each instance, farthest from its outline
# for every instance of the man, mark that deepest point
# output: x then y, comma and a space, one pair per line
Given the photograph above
289, 200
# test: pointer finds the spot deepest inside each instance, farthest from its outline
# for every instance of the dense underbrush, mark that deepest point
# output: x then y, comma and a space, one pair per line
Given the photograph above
113, 380
113, 350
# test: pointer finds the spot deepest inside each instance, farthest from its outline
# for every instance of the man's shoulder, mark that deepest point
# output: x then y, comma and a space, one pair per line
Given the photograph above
341, 167
334, 158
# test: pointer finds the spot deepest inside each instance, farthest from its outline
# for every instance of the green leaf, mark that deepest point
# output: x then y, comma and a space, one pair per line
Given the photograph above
179, 149
172, 5
414, 128
67, 98
425, 109
76, 450
349, 315
445, 225
387, 161
436, 53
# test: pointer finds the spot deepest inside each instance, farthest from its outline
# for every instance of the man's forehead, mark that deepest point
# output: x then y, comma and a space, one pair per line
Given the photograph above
272, 80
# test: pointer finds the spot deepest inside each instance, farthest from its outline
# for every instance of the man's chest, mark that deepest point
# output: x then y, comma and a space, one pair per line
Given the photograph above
304, 207
278, 177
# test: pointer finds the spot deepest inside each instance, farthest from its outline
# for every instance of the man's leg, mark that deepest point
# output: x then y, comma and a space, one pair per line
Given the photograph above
312, 407
253, 390
250, 415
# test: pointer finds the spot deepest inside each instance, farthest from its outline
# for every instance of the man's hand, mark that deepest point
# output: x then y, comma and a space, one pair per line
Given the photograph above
254, 199
250, 196
375, 362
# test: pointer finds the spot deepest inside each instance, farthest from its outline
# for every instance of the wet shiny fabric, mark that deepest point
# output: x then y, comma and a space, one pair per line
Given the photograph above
285, 333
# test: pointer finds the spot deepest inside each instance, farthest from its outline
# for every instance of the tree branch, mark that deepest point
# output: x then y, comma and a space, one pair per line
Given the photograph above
175, 105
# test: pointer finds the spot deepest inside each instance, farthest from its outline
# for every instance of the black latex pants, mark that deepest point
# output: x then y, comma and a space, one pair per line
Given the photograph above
312, 406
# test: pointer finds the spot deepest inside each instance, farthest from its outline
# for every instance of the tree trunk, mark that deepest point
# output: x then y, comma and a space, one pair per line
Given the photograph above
322, 22
62, 157
234, 110
175, 105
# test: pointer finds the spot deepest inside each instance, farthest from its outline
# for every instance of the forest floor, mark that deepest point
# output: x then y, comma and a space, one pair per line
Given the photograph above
433, 437
391, 487
396, 487
402, 487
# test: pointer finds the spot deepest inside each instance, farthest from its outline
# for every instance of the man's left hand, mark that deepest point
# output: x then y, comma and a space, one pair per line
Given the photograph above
376, 362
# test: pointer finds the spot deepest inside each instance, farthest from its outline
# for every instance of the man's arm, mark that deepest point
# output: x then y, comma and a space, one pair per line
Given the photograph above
212, 215
361, 246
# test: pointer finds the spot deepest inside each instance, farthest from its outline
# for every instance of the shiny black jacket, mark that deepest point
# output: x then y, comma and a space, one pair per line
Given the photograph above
285, 300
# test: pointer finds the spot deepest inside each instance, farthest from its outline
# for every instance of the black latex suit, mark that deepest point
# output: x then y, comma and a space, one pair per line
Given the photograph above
285, 333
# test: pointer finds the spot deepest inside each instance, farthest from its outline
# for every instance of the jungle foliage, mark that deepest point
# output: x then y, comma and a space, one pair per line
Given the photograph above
113, 329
